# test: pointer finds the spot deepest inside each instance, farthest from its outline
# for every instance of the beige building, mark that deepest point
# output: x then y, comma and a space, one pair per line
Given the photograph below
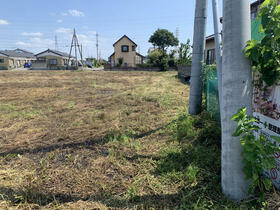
125, 54
210, 54
51, 59
10, 59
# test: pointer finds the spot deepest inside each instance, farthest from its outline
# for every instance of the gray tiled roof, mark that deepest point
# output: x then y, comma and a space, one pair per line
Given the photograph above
60, 53
56, 52
18, 53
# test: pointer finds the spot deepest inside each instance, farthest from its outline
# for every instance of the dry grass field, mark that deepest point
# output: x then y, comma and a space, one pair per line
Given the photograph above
106, 140
86, 139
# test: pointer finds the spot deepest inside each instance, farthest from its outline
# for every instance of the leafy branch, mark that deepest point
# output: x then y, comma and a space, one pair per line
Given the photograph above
258, 153
265, 54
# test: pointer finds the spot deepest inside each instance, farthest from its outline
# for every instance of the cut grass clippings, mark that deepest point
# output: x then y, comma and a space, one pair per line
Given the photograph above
106, 140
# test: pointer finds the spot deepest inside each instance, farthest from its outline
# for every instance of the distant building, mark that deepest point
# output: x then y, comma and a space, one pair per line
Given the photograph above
210, 53
151, 49
10, 59
52, 60
125, 54
255, 7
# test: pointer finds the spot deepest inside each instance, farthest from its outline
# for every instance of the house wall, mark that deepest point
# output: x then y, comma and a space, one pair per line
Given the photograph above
129, 58
210, 45
18, 62
139, 59
59, 64
5, 65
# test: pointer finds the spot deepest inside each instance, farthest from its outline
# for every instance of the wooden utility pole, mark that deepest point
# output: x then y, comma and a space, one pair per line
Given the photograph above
198, 56
236, 94
75, 44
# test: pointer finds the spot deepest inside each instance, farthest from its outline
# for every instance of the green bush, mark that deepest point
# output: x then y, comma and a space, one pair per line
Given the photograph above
154, 58
163, 64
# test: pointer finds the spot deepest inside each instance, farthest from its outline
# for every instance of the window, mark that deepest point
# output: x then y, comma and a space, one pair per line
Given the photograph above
125, 48
254, 15
2, 61
210, 57
52, 61
43, 59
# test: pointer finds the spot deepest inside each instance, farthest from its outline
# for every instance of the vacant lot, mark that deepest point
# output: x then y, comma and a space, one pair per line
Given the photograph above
99, 140
90, 138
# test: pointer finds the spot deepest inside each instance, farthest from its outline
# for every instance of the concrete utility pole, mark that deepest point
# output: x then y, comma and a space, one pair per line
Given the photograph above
198, 56
56, 42
237, 93
97, 45
218, 47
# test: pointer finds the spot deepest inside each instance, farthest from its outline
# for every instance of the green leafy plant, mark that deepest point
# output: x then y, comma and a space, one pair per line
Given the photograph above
185, 55
265, 54
154, 57
120, 61
258, 153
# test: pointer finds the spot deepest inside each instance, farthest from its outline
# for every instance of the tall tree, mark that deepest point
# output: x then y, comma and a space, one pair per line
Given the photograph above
237, 93
163, 39
198, 56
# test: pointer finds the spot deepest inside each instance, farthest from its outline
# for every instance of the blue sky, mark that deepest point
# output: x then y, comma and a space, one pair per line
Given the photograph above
33, 24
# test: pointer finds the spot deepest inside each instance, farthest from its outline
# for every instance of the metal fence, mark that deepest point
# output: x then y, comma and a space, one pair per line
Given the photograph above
212, 93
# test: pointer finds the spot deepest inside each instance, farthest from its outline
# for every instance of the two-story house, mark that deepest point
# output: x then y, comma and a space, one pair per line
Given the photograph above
125, 54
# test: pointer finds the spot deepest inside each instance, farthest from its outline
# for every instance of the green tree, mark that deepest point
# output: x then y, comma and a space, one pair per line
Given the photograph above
185, 55
163, 39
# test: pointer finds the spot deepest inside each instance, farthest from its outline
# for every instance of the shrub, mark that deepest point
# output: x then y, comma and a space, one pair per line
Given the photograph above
163, 64
154, 58
120, 61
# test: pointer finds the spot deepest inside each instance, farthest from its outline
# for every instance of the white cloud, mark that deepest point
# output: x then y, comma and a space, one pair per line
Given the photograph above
36, 43
64, 30
59, 21
32, 34
76, 13
86, 40
3, 22
64, 13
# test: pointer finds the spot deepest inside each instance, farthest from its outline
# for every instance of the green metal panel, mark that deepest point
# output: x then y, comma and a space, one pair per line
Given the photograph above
255, 28
212, 93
